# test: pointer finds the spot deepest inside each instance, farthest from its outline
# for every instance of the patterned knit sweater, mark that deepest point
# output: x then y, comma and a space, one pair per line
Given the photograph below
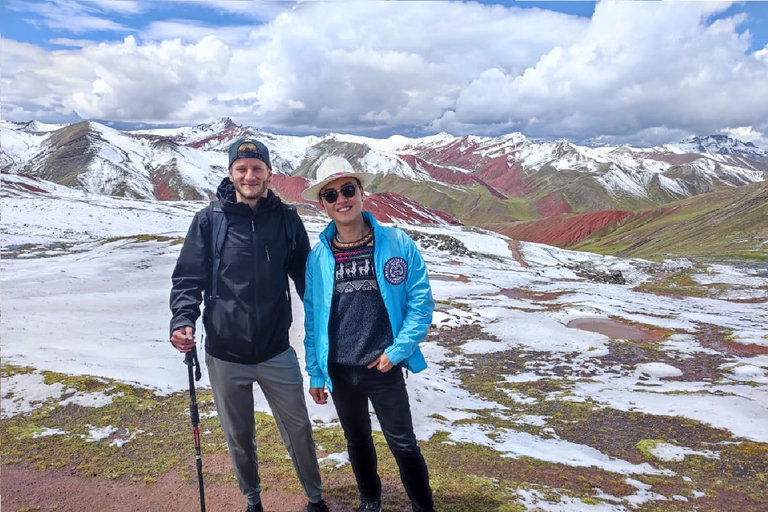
359, 328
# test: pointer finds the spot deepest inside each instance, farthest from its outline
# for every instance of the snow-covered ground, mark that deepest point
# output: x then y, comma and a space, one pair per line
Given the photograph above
85, 291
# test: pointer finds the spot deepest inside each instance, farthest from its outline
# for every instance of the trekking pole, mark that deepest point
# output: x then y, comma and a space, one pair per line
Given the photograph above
190, 359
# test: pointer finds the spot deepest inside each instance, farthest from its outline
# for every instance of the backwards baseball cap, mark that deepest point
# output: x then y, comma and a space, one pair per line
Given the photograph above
248, 148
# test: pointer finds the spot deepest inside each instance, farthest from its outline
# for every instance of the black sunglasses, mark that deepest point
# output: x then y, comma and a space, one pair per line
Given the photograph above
347, 190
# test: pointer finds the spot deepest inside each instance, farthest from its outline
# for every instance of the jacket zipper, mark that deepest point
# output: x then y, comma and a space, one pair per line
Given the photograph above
255, 319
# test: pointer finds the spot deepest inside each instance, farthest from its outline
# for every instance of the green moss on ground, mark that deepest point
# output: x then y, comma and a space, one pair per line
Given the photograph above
156, 436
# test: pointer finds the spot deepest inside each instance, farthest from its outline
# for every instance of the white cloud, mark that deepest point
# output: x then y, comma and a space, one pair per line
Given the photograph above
253, 10
635, 72
402, 64
746, 134
121, 6
141, 82
635, 68
191, 31
65, 41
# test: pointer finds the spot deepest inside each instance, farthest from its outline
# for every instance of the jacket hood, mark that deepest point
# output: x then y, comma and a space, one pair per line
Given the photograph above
226, 191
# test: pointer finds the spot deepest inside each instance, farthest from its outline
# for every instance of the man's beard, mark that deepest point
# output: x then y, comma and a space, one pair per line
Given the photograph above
249, 194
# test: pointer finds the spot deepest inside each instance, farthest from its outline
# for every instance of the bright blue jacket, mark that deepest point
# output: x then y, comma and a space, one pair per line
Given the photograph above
404, 285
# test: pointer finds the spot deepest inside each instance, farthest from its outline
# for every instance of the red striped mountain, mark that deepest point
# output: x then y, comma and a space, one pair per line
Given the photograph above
475, 180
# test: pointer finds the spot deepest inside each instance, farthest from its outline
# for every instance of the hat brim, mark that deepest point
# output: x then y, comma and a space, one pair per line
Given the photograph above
313, 193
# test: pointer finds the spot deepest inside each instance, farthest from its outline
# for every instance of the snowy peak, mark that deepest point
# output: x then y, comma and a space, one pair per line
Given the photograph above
38, 127
221, 125
215, 135
719, 145
472, 178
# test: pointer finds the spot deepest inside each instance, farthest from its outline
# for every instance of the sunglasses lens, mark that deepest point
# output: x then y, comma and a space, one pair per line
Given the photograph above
330, 195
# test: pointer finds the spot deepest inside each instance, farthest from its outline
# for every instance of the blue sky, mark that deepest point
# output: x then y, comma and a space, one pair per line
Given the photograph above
21, 19
606, 72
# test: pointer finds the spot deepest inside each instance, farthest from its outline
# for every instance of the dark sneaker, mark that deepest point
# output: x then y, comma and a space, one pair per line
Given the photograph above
320, 506
255, 508
369, 506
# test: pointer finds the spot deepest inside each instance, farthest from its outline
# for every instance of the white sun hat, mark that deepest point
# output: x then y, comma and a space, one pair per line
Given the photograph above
333, 168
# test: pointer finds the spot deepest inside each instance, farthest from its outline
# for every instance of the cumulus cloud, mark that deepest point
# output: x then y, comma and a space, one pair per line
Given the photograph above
634, 72
130, 82
32, 84
380, 64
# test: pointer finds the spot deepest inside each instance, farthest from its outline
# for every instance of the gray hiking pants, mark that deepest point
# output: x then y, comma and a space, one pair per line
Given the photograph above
281, 381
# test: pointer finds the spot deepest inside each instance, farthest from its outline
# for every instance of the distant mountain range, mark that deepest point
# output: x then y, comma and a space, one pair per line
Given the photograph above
545, 191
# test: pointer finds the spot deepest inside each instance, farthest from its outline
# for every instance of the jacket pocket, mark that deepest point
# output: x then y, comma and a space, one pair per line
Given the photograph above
228, 329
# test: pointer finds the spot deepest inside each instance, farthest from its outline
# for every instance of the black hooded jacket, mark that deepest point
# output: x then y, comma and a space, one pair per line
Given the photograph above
248, 321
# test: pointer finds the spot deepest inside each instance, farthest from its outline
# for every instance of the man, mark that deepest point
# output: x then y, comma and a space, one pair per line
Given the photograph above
240, 262
367, 306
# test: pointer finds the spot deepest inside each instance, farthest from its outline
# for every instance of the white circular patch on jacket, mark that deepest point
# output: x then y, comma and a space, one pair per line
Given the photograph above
396, 270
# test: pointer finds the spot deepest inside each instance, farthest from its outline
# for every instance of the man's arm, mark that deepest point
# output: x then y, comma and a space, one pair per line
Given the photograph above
191, 276
316, 378
419, 305
298, 262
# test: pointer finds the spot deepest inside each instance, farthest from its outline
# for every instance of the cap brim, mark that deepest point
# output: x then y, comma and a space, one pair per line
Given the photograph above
313, 193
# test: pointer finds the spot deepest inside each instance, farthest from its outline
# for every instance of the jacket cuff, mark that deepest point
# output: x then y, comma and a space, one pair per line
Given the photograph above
317, 382
395, 356
178, 324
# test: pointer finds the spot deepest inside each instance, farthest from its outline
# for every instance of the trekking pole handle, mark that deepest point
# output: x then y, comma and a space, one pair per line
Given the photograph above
190, 359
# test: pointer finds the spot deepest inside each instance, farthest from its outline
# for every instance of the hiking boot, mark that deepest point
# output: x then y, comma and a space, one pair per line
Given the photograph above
320, 506
255, 508
369, 506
